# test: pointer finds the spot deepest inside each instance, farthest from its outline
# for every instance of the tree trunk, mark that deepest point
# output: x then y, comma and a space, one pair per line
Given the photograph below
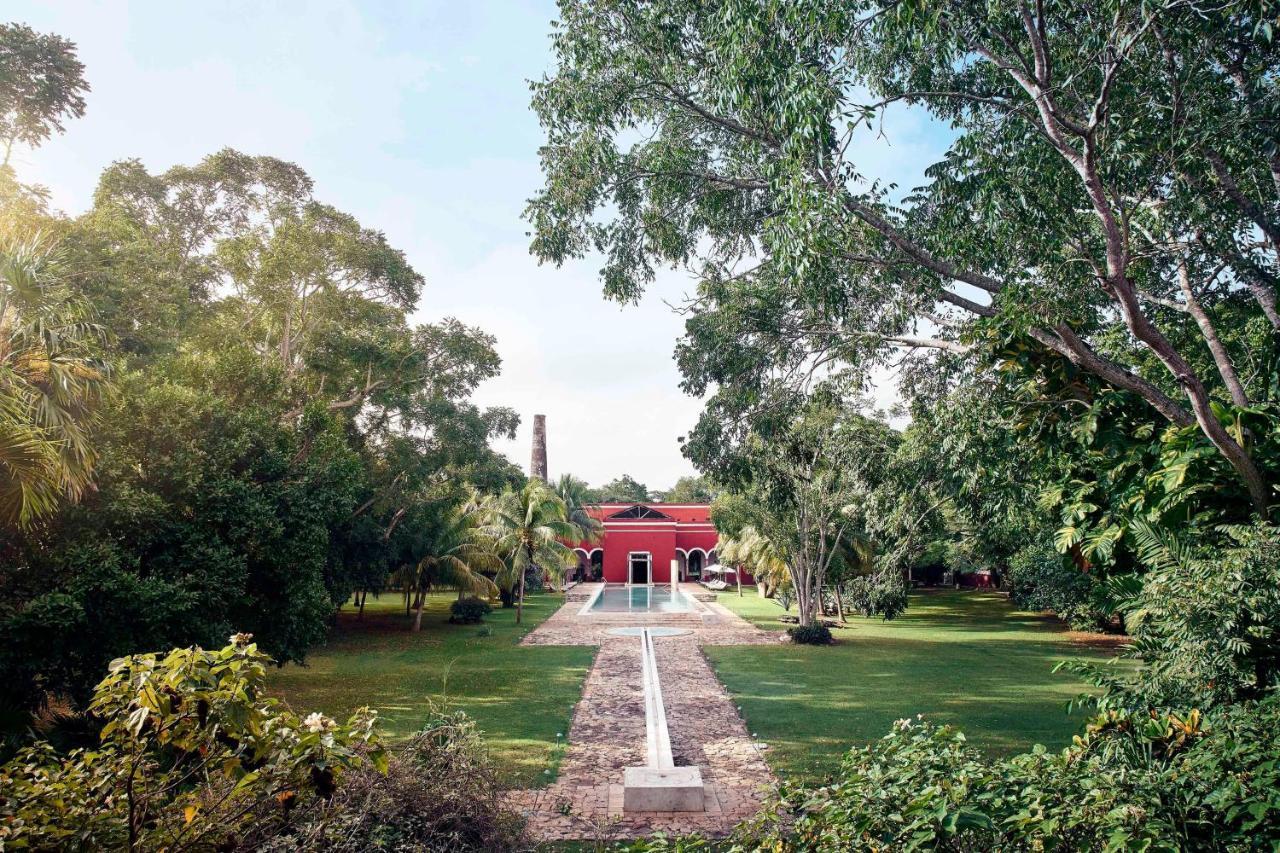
520, 597
417, 616
520, 600
840, 601
362, 597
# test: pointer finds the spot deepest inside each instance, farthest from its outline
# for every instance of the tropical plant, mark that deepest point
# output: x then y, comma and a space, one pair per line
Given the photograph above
51, 382
529, 527
459, 555
624, 489
753, 551
576, 496
469, 611
1205, 621
804, 472
192, 756
1172, 781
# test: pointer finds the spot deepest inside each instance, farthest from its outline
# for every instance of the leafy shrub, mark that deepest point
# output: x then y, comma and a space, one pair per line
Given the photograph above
192, 756
469, 611
1041, 579
785, 597
1131, 781
1205, 621
440, 792
816, 634
882, 593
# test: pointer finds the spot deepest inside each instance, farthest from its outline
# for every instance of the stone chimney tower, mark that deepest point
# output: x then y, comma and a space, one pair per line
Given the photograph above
538, 463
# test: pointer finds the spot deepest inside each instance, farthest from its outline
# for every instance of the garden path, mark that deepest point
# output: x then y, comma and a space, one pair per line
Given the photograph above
607, 732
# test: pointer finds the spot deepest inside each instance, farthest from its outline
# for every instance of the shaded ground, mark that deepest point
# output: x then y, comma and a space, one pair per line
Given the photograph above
520, 696
966, 658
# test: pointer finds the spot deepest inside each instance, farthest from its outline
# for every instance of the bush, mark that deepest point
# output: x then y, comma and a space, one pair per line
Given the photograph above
440, 792
192, 755
1131, 781
882, 593
1041, 579
469, 611
810, 635
1205, 621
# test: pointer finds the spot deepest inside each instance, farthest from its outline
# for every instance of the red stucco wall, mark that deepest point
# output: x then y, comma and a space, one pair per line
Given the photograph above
689, 528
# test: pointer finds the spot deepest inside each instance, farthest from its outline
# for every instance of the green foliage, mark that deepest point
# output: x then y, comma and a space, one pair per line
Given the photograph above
690, 490
282, 434
41, 84
207, 518
624, 489
802, 493
881, 594
469, 611
528, 528
440, 791
1205, 622
192, 756
1041, 579
52, 379
1132, 781
816, 634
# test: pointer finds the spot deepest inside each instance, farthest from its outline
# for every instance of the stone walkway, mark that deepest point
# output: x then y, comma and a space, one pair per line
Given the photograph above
607, 732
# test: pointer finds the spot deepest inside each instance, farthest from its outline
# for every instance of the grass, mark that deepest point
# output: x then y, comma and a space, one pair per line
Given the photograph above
964, 658
520, 696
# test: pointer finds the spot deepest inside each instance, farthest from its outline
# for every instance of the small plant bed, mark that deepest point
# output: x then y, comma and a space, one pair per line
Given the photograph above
967, 658
786, 619
469, 611
521, 697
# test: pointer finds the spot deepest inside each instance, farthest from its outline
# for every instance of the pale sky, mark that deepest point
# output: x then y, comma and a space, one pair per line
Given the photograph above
414, 118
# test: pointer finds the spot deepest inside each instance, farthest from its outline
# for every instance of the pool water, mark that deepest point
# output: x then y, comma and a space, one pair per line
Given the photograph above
629, 599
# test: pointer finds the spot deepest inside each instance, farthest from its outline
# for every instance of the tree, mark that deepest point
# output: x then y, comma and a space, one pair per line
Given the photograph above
52, 379
624, 489
41, 84
691, 490
1111, 194
459, 555
804, 472
576, 496
751, 550
529, 527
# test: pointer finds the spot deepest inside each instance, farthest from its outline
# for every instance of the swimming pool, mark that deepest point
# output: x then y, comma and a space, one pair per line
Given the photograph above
632, 599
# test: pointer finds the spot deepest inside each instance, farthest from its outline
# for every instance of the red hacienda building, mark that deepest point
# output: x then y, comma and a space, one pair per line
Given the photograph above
641, 540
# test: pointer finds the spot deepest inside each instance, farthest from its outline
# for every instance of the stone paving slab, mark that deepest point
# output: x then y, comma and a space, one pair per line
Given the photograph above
607, 732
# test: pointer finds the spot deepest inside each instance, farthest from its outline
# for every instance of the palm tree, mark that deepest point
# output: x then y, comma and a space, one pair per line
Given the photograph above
50, 383
460, 552
755, 552
573, 492
529, 528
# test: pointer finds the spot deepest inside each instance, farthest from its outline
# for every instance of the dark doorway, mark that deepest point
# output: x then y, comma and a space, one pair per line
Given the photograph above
640, 568
597, 565
695, 565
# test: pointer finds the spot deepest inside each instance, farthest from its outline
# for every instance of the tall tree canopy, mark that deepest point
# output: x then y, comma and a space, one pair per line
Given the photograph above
1111, 199
41, 85
280, 434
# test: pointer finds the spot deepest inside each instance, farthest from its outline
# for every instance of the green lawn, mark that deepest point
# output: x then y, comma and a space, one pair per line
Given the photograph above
964, 658
520, 696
